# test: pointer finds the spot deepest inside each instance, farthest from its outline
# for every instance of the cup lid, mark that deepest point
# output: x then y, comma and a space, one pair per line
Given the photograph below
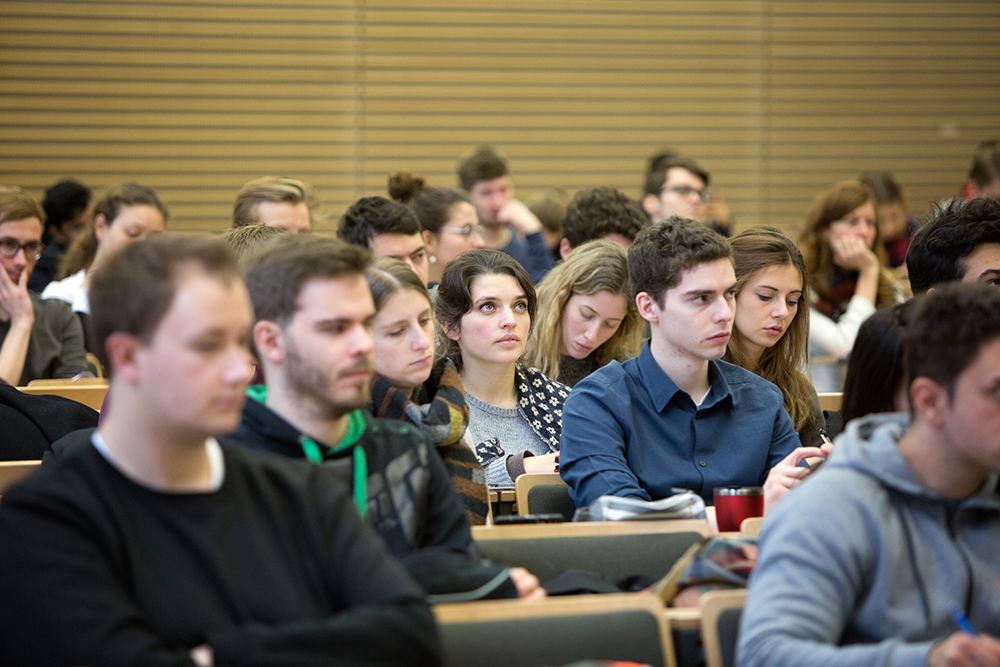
738, 491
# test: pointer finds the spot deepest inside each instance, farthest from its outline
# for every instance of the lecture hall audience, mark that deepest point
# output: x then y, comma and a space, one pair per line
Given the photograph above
676, 416
149, 541
888, 554
313, 311
553, 378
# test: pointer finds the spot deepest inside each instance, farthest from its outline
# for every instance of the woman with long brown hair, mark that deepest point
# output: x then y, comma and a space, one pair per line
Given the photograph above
844, 260
771, 328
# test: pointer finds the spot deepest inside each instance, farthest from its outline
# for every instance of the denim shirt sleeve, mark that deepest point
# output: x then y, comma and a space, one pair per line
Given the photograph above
592, 458
783, 440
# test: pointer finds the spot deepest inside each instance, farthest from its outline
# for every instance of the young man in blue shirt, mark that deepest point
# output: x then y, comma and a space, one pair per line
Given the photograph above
675, 416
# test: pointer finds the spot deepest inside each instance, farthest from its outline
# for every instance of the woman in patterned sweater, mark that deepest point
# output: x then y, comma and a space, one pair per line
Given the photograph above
410, 385
485, 304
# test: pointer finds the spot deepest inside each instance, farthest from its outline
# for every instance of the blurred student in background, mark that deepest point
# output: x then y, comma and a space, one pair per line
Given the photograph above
447, 217
842, 248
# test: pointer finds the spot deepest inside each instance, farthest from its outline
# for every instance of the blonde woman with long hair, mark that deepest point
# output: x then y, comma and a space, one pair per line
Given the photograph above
771, 328
586, 314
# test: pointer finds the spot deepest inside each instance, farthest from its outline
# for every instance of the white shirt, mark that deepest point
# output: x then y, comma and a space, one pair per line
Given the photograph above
216, 460
70, 290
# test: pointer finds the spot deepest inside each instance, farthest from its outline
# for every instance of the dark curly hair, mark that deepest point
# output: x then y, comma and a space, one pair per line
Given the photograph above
597, 212
370, 216
940, 245
663, 252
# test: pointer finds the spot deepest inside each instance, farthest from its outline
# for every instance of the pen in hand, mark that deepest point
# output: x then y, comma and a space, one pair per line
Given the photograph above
962, 621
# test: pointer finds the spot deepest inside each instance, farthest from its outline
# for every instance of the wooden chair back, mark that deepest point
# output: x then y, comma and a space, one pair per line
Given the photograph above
543, 493
751, 527
831, 401
720, 626
556, 631
90, 392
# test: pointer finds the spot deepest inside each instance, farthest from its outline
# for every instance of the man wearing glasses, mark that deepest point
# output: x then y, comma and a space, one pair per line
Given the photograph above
38, 339
677, 187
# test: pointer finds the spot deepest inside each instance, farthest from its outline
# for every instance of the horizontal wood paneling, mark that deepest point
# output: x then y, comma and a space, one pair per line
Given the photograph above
777, 99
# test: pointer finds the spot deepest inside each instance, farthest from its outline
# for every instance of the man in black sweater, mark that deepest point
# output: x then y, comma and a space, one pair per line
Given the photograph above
313, 309
149, 542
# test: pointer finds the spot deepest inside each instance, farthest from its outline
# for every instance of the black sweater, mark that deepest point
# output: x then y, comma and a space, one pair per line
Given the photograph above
411, 501
274, 568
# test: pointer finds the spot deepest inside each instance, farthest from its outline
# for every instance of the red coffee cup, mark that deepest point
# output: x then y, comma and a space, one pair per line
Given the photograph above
735, 503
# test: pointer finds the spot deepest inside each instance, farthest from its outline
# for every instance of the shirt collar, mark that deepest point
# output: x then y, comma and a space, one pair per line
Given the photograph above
662, 389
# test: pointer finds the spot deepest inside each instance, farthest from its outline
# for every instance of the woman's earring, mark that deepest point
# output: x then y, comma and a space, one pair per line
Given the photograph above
432, 259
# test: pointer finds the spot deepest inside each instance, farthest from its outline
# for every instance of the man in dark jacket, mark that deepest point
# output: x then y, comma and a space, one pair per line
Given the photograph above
149, 542
313, 310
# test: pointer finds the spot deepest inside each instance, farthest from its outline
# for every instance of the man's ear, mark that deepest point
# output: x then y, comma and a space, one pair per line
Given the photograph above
648, 308
268, 338
651, 205
930, 402
100, 226
565, 248
121, 349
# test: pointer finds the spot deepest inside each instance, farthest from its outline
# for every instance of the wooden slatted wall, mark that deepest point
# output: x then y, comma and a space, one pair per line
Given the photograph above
910, 87
777, 99
191, 98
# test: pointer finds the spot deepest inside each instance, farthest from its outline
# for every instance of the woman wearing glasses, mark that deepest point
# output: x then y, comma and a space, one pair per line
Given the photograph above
448, 218
844, 257
126, 213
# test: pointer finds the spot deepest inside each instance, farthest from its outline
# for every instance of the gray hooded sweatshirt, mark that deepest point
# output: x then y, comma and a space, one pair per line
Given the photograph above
860, 564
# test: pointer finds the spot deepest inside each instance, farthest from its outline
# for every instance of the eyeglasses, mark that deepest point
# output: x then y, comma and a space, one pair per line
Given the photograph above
687, 191
10, 247
467, 230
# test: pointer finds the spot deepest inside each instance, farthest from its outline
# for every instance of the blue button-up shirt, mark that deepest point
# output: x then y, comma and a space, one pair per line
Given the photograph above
629, 431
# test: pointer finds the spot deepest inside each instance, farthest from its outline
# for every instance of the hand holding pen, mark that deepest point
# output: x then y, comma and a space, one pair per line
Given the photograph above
965, 647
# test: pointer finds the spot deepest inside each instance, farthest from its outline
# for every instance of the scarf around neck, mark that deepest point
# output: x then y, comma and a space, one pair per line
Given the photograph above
438, 406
